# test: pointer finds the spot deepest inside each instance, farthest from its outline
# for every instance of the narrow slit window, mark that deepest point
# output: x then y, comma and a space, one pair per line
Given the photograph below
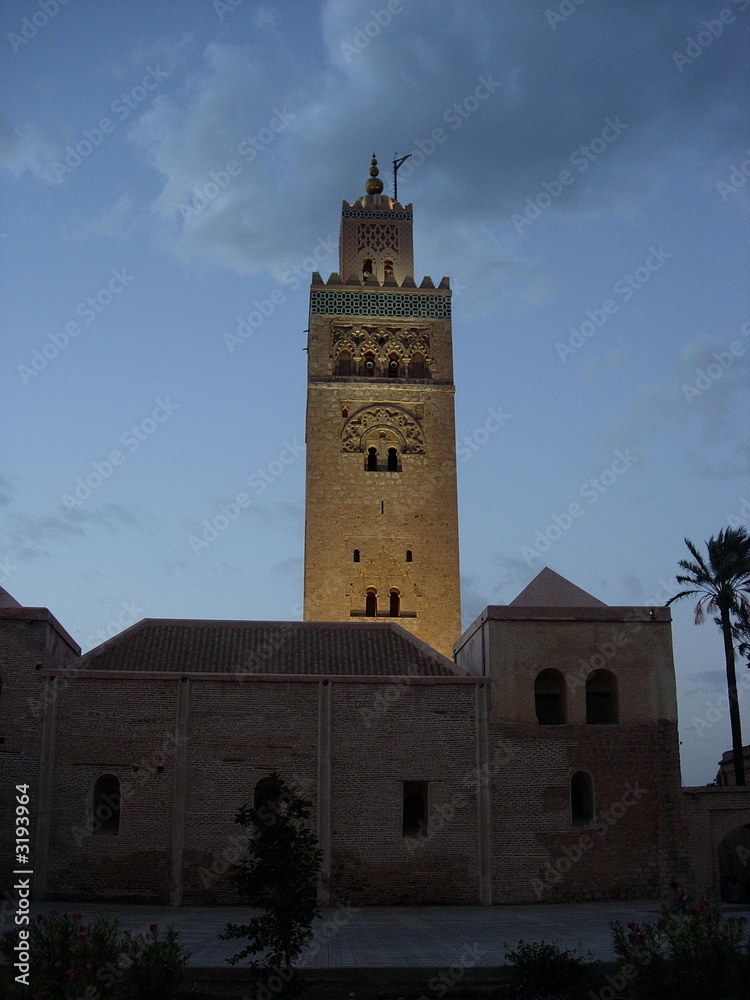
106, 805
371, 603
581, 798
409, 557
414, 810
395, 608
355, 557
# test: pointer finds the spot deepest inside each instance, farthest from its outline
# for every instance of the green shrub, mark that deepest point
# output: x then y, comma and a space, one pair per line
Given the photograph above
71, 960
693, 952
542, 970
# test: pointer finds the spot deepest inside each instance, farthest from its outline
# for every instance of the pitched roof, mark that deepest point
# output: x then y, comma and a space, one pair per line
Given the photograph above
6, 600
550, 590
248, 647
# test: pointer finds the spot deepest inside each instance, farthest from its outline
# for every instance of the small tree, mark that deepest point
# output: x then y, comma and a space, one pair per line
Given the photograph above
278, 876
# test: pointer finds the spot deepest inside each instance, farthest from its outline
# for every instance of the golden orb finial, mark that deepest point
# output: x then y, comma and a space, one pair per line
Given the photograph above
374, 184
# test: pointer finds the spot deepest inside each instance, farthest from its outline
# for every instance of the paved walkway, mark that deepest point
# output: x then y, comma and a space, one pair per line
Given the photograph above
398, 937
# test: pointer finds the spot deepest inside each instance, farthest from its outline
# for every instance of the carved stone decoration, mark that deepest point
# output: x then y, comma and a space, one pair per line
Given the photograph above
358, 426
377, 237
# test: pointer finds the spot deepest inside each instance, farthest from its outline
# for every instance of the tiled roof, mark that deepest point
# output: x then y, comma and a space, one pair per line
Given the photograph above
363, 648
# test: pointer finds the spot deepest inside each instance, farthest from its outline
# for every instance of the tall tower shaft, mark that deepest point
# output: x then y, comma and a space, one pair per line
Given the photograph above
381, 526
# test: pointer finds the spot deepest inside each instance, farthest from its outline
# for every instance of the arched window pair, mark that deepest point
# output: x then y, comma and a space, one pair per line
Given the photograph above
550, 698
391, 460
368, 270
371, 603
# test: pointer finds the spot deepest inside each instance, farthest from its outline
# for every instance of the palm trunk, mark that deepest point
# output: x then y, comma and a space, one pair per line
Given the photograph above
734, 708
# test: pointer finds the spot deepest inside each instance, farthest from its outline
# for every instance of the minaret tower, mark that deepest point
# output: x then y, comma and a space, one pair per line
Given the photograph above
381, 527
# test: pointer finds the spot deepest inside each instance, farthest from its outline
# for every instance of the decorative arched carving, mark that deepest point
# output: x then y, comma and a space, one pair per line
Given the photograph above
358, 428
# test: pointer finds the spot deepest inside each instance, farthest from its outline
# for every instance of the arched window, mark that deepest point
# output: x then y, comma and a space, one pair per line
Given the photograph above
581, 798
414, 808
344, 363
372, 459
356, 556
388, 268
369, 363
106, 804
371, 603
367, 269
395, 608
549, 698
602, 707
394, 367
345, 412
392, 460
418, 366
408, 555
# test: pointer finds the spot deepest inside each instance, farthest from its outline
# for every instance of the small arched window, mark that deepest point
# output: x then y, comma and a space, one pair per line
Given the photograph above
367, 269
581, 798
394, 366
549, 698
392, 460
345, 412
418, 366
371, 603
355, 558
369, 363
602, 707
395, 608
408, 555
344, 363
372, 459
106, 804
388, 268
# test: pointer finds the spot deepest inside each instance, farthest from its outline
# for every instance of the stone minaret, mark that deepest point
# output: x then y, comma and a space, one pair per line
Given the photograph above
381, 531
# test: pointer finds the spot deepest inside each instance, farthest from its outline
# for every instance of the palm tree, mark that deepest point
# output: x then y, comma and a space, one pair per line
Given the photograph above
722, 581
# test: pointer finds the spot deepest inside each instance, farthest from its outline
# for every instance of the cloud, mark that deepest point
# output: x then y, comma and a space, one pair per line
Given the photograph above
115, 221
26, 150
549, 94
27, 537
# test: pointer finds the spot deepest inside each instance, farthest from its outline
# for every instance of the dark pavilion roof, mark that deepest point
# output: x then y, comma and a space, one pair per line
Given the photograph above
248, 647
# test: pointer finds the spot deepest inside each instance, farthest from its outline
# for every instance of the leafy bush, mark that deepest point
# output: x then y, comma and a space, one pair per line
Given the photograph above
542, 970
693, 952
71, 960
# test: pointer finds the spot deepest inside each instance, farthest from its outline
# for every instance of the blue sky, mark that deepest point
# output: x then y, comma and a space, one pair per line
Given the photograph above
579, 170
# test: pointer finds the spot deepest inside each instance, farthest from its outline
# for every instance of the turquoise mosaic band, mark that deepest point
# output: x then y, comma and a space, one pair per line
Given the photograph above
327, 302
